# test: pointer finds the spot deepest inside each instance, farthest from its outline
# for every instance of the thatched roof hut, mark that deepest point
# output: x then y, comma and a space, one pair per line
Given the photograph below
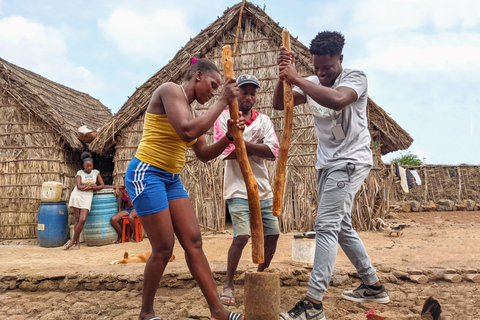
258, 43
39, 120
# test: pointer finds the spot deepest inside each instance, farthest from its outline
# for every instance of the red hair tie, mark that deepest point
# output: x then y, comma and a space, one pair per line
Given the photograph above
193, 60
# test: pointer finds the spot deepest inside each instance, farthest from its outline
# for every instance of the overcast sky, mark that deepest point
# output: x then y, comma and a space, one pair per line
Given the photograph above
422, 57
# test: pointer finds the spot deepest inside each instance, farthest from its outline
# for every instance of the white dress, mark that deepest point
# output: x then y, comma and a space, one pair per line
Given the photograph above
83, 199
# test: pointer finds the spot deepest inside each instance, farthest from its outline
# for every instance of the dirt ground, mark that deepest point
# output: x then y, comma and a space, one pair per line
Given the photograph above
431, 242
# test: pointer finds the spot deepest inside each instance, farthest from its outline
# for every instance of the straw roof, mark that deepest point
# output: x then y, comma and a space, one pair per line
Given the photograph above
393, 137
258, 43
196, 47
61, 107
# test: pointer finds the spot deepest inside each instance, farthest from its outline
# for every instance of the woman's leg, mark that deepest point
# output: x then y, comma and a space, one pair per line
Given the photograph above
159, 229
79, 224
76, 217
115, 221
188, 234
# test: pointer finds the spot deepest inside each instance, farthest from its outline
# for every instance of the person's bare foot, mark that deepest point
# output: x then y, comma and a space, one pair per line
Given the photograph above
77, 246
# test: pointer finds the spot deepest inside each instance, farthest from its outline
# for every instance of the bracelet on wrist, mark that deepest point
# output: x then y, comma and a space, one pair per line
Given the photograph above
228, 139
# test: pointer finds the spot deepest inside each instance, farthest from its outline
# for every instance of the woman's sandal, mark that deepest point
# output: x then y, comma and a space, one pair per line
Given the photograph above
234, 316
66, 245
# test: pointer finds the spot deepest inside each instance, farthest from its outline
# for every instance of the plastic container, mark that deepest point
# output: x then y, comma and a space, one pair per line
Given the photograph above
303, 251
52, 224
51, 191
72, 233
98, 230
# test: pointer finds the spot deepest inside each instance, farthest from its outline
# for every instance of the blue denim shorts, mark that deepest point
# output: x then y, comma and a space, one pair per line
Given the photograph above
128, 210
151, 187
238, 209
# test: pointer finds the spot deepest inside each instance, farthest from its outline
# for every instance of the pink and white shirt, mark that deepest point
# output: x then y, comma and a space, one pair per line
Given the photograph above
258, 130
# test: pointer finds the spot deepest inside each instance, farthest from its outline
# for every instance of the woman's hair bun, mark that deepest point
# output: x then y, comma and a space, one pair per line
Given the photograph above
86, 155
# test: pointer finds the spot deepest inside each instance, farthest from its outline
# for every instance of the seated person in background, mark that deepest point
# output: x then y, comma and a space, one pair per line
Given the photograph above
128, 210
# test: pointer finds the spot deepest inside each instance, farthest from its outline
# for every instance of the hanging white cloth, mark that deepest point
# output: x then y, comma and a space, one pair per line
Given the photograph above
403, 178
417, 177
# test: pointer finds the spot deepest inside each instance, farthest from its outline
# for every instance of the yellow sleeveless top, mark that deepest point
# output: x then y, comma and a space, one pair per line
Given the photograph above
160, 145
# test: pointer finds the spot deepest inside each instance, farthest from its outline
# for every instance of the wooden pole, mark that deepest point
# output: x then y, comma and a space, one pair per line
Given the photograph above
256, 225
238, 27
426, 184
459, 184
286, 139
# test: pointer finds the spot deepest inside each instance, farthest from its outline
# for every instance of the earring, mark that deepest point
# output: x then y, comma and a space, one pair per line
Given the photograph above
198, 79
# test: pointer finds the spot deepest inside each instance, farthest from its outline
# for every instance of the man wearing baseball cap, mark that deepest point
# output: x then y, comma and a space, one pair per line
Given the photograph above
261, 143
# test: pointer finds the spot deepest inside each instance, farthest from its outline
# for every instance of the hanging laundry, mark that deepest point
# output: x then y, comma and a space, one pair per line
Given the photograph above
403, 178
397, 173
410, 180
417, 177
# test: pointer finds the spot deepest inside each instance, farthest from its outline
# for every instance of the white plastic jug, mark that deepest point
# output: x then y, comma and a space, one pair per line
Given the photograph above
51, 191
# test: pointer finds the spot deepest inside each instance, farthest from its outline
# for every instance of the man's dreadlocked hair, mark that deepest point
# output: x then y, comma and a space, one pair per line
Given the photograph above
327, 42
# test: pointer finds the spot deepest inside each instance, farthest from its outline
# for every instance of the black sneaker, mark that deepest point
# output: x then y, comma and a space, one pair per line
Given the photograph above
304, 310
366, 293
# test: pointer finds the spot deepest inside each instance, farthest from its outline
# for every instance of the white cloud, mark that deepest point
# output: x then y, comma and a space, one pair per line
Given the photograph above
422, 155
28, 38
43, 50
152, 36
445, 52
373, 17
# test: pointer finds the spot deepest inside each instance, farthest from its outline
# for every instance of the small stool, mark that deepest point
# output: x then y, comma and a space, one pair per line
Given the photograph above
126, 229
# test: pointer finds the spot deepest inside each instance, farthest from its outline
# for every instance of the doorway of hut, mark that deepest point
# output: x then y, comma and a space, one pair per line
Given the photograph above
101, 162
104, 164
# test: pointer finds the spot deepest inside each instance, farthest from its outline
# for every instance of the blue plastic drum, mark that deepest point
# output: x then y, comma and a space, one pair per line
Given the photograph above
98, 230
52, 224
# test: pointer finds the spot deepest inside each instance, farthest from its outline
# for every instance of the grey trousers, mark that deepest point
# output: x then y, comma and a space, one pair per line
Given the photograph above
337, 187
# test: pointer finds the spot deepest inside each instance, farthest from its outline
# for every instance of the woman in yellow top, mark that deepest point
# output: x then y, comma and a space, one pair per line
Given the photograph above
153, 183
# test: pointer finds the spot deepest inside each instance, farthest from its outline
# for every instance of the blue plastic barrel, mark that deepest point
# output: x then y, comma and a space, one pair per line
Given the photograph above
52, 224
98, 230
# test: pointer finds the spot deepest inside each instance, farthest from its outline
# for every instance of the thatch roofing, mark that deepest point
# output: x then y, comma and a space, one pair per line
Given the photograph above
393, 136
61, 107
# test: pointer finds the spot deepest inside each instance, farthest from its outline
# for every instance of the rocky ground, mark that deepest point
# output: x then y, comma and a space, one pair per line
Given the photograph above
438, 254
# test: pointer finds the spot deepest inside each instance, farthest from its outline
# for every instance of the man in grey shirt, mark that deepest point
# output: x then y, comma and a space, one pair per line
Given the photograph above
338, 101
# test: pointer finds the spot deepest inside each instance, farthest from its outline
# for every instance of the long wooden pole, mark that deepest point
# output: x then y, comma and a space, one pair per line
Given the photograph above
238, 27
256, 225
286, 139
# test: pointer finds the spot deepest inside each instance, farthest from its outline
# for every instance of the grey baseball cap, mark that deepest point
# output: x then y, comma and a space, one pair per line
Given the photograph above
247, 79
